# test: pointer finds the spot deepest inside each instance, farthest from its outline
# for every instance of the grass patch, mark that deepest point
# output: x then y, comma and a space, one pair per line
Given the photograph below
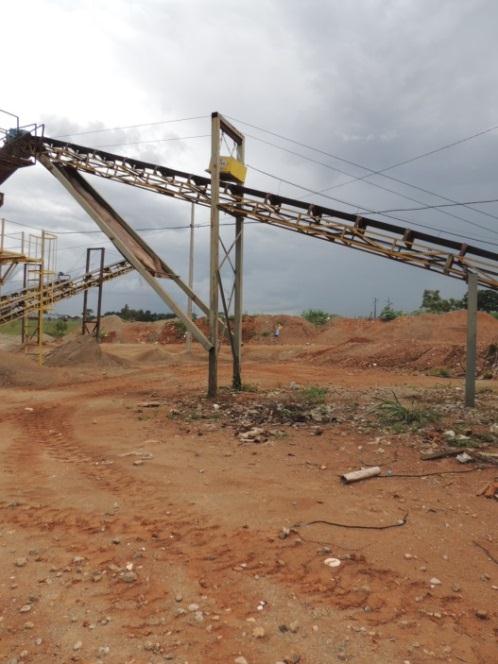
391, 412
249, 387
314, 394
441, 373
50, 327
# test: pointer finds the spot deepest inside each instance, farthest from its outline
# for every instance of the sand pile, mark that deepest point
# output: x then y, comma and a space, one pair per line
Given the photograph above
157, 356
20, 371
82, 350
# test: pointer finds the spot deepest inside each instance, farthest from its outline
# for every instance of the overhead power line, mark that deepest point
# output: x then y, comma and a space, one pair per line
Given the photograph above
372, 184
360, 207
158, 140
134, 126
366, 168
436, 207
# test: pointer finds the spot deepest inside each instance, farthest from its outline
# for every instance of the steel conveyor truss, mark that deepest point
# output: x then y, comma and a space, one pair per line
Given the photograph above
393, 242
15, 305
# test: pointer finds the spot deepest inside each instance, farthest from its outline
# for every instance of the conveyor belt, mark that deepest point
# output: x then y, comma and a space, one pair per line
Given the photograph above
373, 236
14, 305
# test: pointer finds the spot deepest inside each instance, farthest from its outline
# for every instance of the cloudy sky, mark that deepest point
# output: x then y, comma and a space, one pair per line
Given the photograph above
368, 83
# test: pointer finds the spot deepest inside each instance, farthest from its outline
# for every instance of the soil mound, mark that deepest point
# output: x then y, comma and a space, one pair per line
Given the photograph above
19, 371
82, 350
426, 342
294, 329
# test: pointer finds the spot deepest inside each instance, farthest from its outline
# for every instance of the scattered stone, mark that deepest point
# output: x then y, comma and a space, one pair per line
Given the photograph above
128, 576
258, 632
138, 462
456, 587
78, 645
435, 581
77, 560
20, 562
25, 609
483, 615
254, 435
294, 626
240, 660
332, 562
104, 650
116, 540
179, 597
199, 616
29, 625
193, 607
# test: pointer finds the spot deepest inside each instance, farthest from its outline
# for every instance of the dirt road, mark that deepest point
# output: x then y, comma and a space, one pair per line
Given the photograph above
130, 534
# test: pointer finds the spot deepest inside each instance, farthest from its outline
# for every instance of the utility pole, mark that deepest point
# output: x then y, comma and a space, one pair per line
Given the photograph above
470, 373
190, 275
375, 308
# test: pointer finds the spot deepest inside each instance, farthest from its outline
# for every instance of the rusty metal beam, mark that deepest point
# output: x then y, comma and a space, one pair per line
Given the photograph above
373, 236
128, 243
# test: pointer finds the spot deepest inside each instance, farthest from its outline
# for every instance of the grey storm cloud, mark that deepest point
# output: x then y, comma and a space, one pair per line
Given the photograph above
368, 83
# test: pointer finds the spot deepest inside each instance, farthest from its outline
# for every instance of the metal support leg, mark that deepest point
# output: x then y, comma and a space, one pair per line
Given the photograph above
128, 245
24, 321
85, 327
237, 345
190, 274
99, 296
85, 294
470, 376
214, 257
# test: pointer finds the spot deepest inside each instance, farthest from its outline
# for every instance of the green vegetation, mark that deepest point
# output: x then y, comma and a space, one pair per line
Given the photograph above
180, 327
60, 328
435, 304
441, 373
487, 300
51, 327
126, 313
388, 313
249, 387
316, 316
314, 394
392, 412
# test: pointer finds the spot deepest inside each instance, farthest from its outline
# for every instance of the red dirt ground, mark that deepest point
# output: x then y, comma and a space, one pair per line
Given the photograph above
117, 518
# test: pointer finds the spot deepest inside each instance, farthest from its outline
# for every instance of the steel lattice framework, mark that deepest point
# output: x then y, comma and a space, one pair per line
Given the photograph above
15, 305
393, 242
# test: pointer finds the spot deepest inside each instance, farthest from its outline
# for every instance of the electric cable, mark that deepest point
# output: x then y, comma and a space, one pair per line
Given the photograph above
372, 184
366, 168
134, 126
359, 207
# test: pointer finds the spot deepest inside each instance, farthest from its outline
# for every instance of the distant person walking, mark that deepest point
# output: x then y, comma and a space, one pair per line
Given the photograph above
277, 331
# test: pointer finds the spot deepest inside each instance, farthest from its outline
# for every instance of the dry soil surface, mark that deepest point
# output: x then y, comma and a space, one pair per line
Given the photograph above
137, 527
